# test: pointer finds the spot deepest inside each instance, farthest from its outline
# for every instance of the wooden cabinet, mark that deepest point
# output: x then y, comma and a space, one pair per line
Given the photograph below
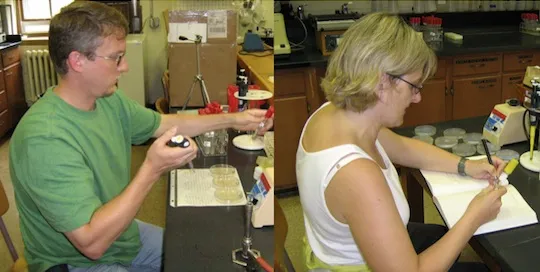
510, 85
296, 95
12, 100
431, 108
475, 96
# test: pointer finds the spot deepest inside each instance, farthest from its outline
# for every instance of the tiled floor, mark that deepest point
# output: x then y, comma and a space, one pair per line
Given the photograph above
293, 212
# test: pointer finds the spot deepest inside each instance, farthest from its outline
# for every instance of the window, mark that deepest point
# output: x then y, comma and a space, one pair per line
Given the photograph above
36, 15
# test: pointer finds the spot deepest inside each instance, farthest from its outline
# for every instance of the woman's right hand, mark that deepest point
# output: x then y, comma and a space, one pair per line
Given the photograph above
486, 205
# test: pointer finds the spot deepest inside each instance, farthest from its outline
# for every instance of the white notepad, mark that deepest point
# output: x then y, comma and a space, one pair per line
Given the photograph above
195, 188
453, 193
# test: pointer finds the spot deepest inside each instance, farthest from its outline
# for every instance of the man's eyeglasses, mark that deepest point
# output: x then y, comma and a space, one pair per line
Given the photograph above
416, 88
118, 58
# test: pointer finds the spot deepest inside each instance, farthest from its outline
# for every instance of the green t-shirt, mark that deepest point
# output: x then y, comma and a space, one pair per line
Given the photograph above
66, 163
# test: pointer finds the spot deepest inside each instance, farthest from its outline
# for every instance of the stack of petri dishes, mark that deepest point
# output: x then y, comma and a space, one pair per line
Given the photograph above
425, 133
226, 183
493, 149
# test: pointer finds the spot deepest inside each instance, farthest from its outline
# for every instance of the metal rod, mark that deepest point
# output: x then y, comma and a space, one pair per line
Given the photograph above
7, 238
246, 244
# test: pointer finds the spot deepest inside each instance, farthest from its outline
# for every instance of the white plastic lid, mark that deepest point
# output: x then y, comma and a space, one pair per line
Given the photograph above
492, 148
464, 150
425, 130
454, 132
424, 138
446, 142
507, 154
472, 138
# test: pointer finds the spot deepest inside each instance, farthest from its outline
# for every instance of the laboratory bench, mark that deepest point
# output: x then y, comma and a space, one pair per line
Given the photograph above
203, 238
471, 78
508, 250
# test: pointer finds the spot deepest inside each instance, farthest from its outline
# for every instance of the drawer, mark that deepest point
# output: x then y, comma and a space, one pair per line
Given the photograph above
10, 56
441, 69
3, 101
518, 61
5, 122
292, 82
472, 65
511, 86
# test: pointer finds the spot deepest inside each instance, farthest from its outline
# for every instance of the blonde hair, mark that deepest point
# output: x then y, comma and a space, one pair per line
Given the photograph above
376, 44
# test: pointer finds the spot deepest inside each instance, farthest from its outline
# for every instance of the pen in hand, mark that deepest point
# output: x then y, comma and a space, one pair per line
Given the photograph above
484, 143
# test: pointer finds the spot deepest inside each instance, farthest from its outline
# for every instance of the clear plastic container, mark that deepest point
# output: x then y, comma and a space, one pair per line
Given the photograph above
425, 130
492, 148
222, 170
228, 195
473, 138
446, 142
507, 154
464, 150
454, 132
423, 138
225, 181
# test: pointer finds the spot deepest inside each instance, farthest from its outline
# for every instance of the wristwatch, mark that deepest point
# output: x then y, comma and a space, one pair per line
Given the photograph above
461, 167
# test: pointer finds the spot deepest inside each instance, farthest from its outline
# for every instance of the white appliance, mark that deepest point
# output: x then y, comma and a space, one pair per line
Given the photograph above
133, 83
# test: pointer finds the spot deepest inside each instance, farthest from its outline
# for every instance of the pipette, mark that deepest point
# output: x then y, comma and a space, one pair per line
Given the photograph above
267, 116
181, 141
532, 116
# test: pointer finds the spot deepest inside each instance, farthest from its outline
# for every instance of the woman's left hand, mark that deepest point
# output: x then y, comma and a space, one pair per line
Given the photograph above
481, 169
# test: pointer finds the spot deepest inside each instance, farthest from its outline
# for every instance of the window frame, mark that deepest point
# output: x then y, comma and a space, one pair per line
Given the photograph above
21, 20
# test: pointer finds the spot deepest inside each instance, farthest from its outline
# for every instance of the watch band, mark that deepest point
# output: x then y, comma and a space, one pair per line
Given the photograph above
461, 167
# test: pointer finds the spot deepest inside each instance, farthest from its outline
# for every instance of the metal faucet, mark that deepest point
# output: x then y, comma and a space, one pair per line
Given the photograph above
345, 8
300, 12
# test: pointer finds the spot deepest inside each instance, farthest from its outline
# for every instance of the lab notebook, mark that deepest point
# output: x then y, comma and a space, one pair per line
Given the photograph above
453, 193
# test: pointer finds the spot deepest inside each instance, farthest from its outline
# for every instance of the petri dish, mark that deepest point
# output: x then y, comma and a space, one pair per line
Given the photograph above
473, 138
507, 154
225, 181
425, 130
492, 148
222, 170
454, 132
228, 195
464, 150
424, 138
446, 142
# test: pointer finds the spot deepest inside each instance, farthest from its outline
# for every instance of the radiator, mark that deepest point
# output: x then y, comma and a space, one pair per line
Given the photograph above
40, 74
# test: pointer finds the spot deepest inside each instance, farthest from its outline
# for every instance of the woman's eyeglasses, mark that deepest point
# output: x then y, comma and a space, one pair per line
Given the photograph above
416, 88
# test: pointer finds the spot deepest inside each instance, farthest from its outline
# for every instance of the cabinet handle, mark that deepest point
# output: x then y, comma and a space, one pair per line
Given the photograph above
9, 73
525, 61
477, 65
452, 91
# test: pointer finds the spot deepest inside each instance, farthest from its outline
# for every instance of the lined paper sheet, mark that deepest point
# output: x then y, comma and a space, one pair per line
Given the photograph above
195, 188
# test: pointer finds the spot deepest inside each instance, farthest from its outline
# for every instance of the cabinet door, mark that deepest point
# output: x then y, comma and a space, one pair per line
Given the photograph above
288, 122
431, 109
475, 96
511, 86
15, 92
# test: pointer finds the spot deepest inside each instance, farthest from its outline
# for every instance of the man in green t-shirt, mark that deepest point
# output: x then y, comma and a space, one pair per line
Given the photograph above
70, 155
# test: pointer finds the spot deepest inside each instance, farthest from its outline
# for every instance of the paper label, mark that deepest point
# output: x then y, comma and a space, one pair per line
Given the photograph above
188, 30
217, 24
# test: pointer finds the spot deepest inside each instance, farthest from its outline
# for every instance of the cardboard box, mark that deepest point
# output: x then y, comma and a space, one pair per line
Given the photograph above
219, 29
218, 68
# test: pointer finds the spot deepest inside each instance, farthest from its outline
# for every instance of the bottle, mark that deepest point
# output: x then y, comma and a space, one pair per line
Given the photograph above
242, 83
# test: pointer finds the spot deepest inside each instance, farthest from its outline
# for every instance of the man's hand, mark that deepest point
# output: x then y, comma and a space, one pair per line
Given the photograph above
162, 157
250, 120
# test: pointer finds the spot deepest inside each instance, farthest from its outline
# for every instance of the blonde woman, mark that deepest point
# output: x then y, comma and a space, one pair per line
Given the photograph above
356, 214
